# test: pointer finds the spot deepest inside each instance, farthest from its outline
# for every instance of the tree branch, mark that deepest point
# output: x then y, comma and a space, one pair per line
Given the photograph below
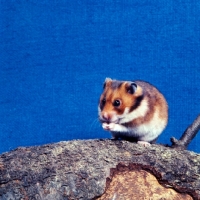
187, 136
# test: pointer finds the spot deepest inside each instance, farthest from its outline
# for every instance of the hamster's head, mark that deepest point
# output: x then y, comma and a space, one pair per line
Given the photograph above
118, 99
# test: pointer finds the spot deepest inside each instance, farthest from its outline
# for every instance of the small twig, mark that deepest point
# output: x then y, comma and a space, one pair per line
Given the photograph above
187, 136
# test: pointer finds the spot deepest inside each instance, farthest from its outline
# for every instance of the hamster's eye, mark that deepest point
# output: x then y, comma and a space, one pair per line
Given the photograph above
116, 103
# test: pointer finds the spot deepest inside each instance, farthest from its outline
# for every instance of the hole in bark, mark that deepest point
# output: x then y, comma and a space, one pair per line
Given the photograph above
138, 184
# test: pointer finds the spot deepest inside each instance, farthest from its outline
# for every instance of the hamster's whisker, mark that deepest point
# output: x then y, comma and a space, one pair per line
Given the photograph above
94, 123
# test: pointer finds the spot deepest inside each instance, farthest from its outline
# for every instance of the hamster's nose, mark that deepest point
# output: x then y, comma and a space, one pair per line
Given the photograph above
106, 117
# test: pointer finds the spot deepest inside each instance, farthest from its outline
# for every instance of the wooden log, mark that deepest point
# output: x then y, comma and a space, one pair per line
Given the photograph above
94, 169
102, 169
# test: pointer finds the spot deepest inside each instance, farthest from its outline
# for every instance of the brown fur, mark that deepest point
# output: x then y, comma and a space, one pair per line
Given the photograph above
155, 99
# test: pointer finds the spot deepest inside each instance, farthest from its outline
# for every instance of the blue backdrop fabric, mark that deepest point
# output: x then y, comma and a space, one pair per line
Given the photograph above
55, 56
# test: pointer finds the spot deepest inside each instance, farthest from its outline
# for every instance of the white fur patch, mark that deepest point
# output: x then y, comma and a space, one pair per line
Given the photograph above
138, 112
151, 130
99, 110
114, 127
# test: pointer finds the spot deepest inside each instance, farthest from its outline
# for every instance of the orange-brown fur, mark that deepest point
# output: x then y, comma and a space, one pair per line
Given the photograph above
127, 100
155, 101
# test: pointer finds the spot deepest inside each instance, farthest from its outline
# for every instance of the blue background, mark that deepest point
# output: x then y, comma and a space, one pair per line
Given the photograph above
55, 56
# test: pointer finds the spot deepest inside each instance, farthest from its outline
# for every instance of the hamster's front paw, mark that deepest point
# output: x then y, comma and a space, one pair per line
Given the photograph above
108, 127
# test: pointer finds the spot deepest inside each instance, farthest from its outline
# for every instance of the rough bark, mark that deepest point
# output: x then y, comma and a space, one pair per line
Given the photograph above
88, 169
187, 136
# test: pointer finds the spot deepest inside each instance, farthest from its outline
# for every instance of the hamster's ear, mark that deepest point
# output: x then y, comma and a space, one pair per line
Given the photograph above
107, 80
132, 87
